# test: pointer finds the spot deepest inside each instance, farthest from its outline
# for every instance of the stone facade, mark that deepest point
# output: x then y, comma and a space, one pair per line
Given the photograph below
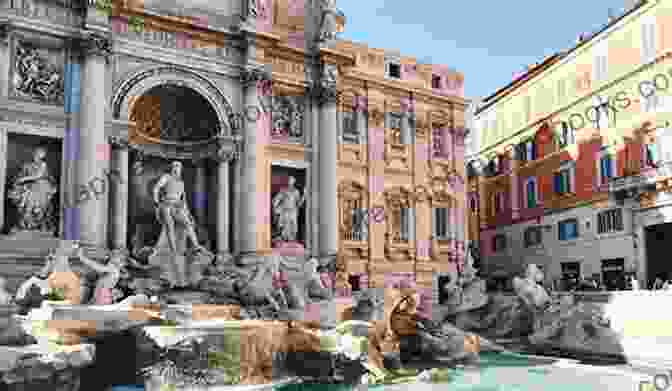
244, 98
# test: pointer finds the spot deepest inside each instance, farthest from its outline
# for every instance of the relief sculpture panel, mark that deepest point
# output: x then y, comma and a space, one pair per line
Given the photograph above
38, 73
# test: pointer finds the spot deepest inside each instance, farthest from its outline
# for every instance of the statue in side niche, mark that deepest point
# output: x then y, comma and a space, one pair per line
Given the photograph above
32, 193
286, 205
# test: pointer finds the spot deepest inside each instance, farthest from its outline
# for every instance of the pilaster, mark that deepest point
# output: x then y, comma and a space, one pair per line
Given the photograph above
93, 146
118, 180
5, 58
256, 83
224, 157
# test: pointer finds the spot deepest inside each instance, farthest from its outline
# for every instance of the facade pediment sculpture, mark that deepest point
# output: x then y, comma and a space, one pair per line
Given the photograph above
286, 205
328, 25
36, 76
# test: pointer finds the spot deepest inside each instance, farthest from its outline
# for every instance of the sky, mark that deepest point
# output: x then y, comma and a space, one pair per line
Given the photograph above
487, 40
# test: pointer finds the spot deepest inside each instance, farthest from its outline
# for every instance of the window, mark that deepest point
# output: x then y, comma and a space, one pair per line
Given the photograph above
648, 46
360, 222
439, 147
563, 180
404, 224
472, 204
664, 145
499, 243
394, 70
440, 223
530, 151
350, 132
498, 201
568, 229
394, 121
532, 236
531, 192
610, 221
565, 134
607, 167
436, 82
600, 114
600, 60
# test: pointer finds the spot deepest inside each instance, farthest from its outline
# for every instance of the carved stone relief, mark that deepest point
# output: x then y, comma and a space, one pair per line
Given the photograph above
38, 73
53, 11
288, 112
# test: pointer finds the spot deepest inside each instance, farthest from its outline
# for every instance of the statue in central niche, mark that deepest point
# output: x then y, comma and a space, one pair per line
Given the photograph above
171, 208
178, 230
286, 205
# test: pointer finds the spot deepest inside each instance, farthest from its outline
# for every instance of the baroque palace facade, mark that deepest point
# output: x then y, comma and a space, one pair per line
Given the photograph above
570, 163
98, 98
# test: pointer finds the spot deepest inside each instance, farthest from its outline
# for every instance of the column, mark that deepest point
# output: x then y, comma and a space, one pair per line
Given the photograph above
93, 147
119, 180
251, 79
200, 197
327, 167
225, 156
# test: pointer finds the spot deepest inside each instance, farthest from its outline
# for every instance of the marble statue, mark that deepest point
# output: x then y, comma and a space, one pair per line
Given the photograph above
32, 193
110, 274
315, 287
171, 208
286, 204
328, 26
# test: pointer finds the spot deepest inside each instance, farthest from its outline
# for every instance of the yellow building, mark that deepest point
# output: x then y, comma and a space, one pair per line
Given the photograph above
563, 150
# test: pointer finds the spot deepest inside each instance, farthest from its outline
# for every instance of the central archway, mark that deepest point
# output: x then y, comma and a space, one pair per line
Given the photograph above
174, 113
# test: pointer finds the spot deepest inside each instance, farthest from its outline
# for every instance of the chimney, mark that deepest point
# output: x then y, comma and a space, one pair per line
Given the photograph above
580, 38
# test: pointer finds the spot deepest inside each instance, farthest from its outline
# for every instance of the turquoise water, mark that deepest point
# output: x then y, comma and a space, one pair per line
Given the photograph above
501, 372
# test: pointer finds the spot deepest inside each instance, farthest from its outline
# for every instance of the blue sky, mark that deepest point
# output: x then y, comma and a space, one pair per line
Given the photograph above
486, 40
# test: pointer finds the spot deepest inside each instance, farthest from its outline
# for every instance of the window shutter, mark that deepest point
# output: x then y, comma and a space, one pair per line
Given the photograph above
530, 194
533, 150
651, 153
557, 182
561, 231
609, 162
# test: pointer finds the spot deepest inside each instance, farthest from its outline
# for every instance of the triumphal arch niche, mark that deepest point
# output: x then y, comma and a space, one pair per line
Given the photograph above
180, 144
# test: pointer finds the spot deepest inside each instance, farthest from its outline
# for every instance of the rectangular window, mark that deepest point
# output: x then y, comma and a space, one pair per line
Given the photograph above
565, 134
498, 200
404, 224
530, 151
394, 121
568, 229
440, 223
439, 145
436, 82
350, 132
533, 236
499, 243
360, 221
531, 192
648, 45
610, 221
394, 70
606, 168
563, 180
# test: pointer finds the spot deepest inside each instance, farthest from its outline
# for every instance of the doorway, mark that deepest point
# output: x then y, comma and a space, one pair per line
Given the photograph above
613, 274
657, 258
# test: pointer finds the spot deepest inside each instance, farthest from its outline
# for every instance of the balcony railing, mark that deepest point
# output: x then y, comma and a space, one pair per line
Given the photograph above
647, 176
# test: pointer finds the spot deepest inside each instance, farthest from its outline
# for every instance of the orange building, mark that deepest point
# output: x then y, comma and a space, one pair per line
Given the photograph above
570, 158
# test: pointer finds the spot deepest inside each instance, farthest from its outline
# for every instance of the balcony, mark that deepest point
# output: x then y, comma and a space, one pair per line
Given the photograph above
635, 184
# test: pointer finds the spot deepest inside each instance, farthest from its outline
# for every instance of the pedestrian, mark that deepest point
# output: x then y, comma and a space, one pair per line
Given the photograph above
657, 284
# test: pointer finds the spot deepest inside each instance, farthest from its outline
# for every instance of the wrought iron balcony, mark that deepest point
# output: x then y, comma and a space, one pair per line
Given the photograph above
635, 184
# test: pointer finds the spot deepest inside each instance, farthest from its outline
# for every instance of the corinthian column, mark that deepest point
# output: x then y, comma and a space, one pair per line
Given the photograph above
4, 58
93, 146
118, 180
254, 82
224, 156
327, 167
